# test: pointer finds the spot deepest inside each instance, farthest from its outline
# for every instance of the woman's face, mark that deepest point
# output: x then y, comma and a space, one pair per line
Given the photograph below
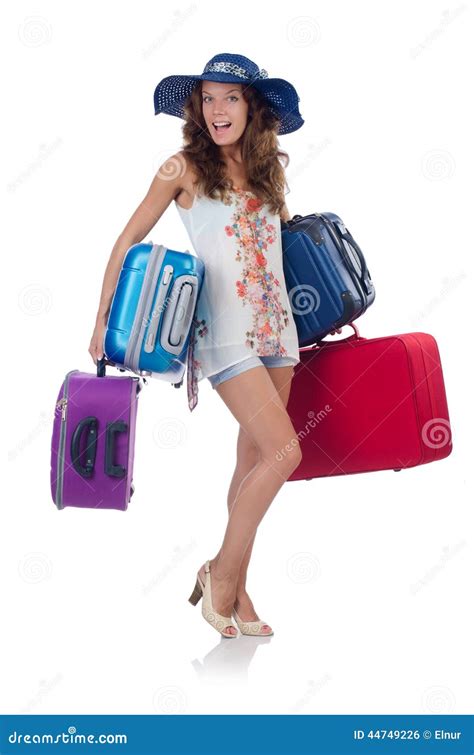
221, 103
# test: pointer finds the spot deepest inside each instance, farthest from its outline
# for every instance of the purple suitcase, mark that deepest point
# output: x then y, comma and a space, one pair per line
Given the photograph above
93, 441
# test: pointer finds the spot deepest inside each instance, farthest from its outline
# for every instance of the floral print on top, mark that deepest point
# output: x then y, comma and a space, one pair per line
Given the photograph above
243, 308
258, 285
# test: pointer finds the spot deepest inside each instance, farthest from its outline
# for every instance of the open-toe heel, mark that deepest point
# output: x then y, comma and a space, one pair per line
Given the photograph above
196, 594
254, 628
203, 590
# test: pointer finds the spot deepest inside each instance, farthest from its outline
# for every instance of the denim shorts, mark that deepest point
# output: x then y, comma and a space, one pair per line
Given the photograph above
247, 364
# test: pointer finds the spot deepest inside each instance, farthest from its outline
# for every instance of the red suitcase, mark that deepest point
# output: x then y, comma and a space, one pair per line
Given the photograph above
366, 404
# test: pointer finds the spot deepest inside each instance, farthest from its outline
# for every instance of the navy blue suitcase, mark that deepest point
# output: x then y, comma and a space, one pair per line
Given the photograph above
326, 275
149, 323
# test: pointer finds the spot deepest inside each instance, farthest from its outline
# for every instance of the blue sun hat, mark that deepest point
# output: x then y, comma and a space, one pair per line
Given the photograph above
280, 95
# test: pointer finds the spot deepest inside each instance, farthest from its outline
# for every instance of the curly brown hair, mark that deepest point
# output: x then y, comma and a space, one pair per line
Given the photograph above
259, 147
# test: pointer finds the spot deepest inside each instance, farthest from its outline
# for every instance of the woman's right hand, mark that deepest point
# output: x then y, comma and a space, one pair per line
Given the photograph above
96, 349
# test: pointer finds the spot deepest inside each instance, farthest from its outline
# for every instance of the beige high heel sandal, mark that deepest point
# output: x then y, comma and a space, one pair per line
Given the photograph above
203, 591
253, 628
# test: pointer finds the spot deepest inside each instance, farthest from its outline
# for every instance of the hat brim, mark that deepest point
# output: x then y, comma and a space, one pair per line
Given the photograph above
281, 96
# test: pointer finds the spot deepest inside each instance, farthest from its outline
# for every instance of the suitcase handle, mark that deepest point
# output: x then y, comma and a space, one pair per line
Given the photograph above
345, 235
366, 279
316, 234
101, 366
88, 424
111, 469
101, 372
353, 337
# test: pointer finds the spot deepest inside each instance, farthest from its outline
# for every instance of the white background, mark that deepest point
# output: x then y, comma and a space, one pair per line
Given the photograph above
364, 578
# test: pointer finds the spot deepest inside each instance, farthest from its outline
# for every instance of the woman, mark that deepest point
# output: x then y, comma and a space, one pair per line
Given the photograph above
228, 186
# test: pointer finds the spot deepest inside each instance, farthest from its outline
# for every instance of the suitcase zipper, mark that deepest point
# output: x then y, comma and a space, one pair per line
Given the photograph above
63, 404
62, 443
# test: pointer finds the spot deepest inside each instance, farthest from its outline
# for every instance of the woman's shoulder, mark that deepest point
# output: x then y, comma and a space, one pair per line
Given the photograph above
188, 185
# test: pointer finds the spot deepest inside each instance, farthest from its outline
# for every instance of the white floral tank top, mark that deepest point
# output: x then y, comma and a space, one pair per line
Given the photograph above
243, 307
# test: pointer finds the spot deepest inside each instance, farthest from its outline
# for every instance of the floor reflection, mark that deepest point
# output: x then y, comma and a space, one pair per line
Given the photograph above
229, 660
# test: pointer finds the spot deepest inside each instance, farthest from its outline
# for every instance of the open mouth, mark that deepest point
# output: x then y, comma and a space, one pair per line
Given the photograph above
221, 125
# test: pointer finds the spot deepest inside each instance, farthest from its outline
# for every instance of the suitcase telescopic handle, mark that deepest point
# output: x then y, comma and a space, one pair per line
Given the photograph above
89, 425
111, 469
101, 372
101, 366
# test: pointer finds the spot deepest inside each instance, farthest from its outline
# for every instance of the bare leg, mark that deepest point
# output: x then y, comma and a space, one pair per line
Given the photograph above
248, 456
256, 404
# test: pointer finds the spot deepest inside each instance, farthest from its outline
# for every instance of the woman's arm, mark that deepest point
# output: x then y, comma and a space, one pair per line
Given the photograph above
161, 193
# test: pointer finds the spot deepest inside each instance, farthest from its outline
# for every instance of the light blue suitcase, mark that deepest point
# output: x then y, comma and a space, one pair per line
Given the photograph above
152, 310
